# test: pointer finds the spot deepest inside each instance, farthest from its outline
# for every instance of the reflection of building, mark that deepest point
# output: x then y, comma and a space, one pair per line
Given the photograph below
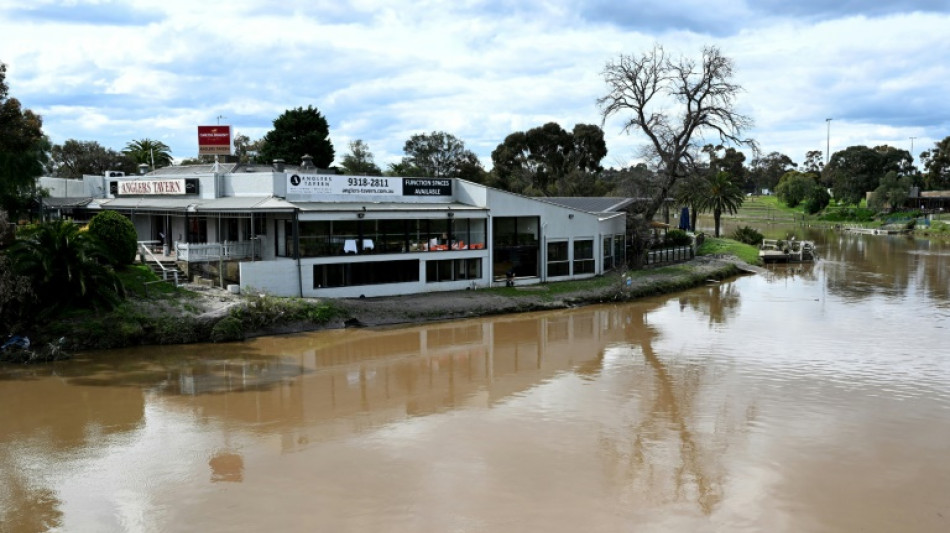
292, 231
368, 377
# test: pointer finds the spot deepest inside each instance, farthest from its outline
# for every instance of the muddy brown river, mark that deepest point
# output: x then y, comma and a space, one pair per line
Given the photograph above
812, 398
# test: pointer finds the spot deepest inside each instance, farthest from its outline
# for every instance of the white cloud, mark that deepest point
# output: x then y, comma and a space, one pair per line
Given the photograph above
382, 71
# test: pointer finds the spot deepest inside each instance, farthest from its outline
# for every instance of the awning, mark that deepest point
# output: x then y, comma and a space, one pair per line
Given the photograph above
232, 205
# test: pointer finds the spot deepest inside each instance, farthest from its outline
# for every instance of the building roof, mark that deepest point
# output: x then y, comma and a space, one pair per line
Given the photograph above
194, 205
59, 202
589, 204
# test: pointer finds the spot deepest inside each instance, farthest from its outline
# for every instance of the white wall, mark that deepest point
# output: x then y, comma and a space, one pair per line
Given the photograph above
64, 188
280, 278
247, 184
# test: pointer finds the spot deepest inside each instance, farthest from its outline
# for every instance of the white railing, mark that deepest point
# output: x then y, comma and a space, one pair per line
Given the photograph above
215, 251
145, 251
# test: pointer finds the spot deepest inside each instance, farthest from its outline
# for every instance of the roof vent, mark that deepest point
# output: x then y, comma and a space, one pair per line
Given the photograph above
279, 165
307, 161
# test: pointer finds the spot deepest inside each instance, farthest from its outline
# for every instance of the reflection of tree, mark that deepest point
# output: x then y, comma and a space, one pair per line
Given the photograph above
667, 446
719, 301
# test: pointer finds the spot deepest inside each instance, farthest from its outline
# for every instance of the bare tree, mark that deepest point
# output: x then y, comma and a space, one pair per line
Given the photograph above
675, 103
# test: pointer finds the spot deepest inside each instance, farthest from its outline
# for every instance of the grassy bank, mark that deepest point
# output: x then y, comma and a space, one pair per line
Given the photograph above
717, 246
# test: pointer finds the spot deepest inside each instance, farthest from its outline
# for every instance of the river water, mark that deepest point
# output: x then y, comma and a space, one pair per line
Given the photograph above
815, 397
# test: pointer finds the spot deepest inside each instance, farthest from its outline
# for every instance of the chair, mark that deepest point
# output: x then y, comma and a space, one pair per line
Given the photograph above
367, 244
349, 246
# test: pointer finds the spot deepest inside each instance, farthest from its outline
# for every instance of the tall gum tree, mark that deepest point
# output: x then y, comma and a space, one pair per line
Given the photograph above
676, 104
22, 151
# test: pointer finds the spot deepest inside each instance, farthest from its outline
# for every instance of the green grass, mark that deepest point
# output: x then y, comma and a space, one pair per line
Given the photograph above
714, 246
937, 229
140, 281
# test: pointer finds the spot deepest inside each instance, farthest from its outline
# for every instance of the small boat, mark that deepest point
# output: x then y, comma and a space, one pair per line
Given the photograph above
791, 250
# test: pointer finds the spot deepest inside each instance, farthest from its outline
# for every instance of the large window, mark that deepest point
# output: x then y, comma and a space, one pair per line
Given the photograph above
385, 236
608, 253
453, 270
515, 241
584, 257
558, 261
349, 274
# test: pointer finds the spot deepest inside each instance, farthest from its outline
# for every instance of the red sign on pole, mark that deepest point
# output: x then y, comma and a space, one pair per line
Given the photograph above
214, 140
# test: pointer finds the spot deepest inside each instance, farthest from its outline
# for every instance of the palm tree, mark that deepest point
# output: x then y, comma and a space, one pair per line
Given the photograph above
155, 154
66, 267
722, 194
690, 192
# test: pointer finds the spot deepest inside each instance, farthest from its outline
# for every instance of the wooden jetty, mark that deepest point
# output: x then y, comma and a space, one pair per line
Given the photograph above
792, 250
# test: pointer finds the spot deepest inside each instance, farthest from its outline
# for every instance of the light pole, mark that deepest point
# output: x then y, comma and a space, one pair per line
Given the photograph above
912, 147
828, 147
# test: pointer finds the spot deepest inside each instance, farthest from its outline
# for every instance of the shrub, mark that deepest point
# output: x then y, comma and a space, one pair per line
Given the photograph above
116, 234
227, 329
817, 199
677, 237
747, 235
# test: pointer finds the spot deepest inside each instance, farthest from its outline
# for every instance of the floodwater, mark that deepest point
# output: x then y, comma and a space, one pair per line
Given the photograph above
812, 398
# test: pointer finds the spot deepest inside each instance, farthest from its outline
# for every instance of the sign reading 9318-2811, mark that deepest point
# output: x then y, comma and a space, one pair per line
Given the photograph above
355, 188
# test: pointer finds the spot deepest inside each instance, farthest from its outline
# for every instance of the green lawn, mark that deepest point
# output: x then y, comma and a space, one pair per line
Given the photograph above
714, 246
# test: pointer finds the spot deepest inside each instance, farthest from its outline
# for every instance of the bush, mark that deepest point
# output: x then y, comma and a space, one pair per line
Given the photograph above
227, 329
677, 237
747, 235
116, 234
816, 200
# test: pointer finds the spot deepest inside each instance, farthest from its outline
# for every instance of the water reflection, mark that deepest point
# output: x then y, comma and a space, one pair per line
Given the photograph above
718, 302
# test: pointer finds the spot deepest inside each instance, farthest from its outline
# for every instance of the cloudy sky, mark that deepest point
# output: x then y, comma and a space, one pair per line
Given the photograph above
381, 71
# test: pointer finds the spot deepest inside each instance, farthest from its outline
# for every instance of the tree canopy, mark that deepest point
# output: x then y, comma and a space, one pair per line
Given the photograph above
155, 154
892, 192
857, 170
359, 160
22, 151
795, 187
767, 170
674, 103
937, 165
437, 154
73, 159
298, 132
550, 161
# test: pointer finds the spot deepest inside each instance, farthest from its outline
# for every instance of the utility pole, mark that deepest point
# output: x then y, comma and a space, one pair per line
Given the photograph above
828, 147
912, 147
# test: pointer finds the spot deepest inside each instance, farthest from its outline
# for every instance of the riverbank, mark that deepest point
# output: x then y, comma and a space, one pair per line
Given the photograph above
198, 314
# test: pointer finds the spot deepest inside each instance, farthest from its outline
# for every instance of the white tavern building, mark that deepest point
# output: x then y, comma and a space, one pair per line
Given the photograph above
296, 231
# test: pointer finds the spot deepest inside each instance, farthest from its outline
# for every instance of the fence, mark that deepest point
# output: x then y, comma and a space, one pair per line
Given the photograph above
196, 253
669, 255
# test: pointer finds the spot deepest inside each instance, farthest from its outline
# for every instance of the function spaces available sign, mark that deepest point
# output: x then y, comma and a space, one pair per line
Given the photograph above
332, 186
214, 140
427, 187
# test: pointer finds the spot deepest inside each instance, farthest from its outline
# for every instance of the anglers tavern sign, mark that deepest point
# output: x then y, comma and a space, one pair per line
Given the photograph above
151, 187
